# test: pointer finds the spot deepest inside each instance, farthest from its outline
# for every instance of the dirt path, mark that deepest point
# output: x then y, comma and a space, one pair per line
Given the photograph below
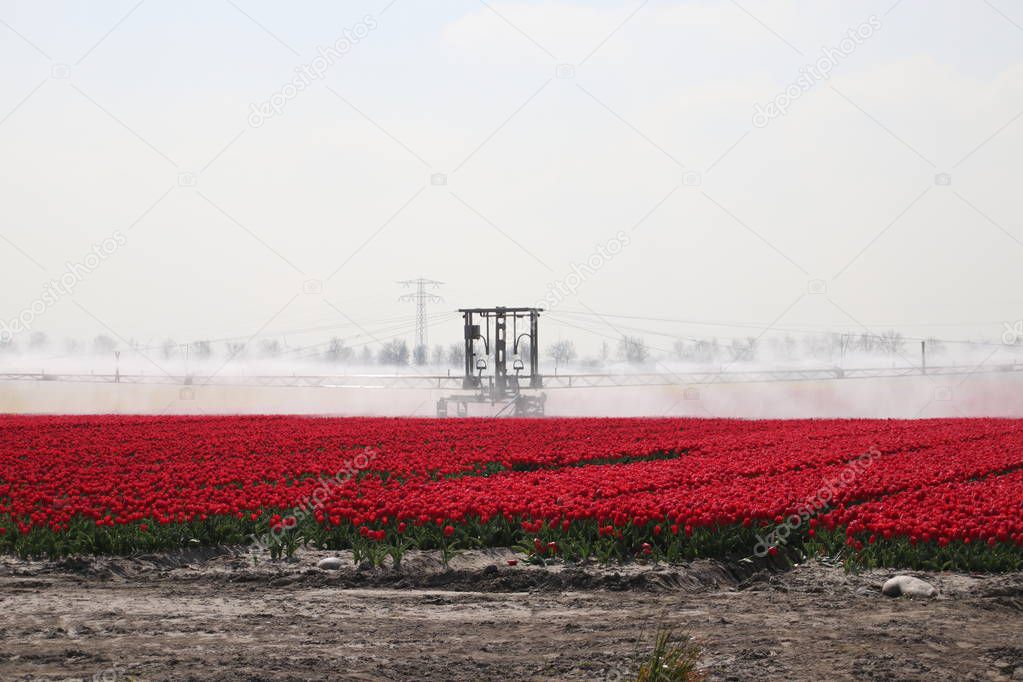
220, 617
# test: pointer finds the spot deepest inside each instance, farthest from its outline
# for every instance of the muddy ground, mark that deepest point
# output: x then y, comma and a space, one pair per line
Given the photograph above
217, 615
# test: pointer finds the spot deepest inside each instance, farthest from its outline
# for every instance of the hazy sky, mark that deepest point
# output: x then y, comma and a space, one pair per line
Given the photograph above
133, 122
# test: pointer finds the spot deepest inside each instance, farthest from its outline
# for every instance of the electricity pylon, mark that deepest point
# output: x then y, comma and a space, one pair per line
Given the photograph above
421, 297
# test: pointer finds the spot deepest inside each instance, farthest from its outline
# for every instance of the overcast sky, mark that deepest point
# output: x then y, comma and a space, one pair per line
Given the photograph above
493, 146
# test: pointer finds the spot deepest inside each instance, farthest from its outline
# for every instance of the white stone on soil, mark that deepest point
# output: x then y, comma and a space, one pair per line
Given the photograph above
329, 564
908, 586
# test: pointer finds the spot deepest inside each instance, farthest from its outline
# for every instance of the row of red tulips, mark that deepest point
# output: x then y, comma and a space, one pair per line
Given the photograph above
924, 492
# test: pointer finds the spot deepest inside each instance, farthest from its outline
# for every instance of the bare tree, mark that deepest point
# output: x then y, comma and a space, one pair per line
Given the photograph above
633, 349
394, 352
938, 346
168, 349
867, 343
816, 347
705, 350
562, 352
38, 340
337, 351
270, 348
419, 355
456, 354
202, 349
437, 356
789, 346
235, 349
743, 349
891, 342
103, 345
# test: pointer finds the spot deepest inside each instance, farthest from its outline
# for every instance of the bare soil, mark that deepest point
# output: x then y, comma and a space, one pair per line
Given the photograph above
215, 614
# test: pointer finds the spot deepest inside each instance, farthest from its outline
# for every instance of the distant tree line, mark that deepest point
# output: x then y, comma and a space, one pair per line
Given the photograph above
396, 352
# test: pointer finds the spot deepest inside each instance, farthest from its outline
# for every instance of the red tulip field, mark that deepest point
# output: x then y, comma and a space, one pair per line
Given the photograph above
944, 493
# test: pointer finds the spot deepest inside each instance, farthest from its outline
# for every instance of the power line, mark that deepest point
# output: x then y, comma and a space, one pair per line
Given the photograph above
778, 328
384, 325
597, 333
381, 336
